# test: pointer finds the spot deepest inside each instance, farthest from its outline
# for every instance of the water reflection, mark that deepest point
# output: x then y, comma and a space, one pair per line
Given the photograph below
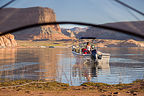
7, 59
83, 68
7, 56
59, 64
28, 64
48, 60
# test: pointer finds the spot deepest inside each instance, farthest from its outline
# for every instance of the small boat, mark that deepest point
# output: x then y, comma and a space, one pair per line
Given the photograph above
98, 58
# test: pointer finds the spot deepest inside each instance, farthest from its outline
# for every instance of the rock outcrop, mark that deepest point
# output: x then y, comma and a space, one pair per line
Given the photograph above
16, 17
68, 33
76, 30
7, 41
73, 32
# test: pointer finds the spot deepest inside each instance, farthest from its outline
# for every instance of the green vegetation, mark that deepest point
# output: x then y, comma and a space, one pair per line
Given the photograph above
13, 83
136, 86
47, 86
35, 85
95, 84
138, 81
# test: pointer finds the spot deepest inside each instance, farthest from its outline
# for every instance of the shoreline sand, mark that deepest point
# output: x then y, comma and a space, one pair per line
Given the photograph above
44, 88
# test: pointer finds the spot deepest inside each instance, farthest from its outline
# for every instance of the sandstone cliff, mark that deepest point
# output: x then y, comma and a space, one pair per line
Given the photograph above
7, 41
118, 43
15, 17
135, 26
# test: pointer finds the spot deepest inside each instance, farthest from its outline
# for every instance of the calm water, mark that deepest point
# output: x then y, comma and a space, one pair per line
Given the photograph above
59, 64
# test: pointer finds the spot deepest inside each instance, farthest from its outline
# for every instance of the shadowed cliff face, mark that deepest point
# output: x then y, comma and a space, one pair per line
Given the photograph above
137, 26
7, 41
99, 33
16, 17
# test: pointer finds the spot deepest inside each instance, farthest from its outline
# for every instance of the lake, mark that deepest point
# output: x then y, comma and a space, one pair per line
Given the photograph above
59, 64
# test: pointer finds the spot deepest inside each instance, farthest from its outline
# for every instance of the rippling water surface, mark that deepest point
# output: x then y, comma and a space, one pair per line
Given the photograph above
59, 64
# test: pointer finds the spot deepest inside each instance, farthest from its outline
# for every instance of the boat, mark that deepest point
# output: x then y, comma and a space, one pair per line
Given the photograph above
98, 59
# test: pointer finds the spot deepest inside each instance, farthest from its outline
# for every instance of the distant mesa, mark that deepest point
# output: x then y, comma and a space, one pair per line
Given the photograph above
11, 18
68, 33
119, 43
16, 17
130, 42
78, 29
99, 33
135, 26
73, 32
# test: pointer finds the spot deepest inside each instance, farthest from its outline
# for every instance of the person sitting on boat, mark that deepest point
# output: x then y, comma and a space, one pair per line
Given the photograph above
84, 50
88, 47
73, 48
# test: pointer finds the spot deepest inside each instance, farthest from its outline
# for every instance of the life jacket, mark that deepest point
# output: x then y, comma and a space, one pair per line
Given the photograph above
94, 52
84, 51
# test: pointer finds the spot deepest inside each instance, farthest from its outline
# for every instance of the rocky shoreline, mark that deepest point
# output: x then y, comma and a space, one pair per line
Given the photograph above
47, 88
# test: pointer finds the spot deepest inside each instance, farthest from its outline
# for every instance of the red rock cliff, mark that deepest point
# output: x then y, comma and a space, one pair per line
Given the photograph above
15, 17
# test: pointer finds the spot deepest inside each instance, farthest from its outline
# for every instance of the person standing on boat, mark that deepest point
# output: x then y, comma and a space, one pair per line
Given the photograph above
88, 47
93, 53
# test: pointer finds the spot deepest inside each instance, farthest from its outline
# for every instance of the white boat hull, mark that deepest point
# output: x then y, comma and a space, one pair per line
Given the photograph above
102, 63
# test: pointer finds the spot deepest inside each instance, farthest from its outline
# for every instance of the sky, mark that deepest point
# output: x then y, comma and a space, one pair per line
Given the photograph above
89, 11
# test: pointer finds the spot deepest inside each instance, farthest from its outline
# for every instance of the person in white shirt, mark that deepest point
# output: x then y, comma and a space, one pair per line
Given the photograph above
88, 47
